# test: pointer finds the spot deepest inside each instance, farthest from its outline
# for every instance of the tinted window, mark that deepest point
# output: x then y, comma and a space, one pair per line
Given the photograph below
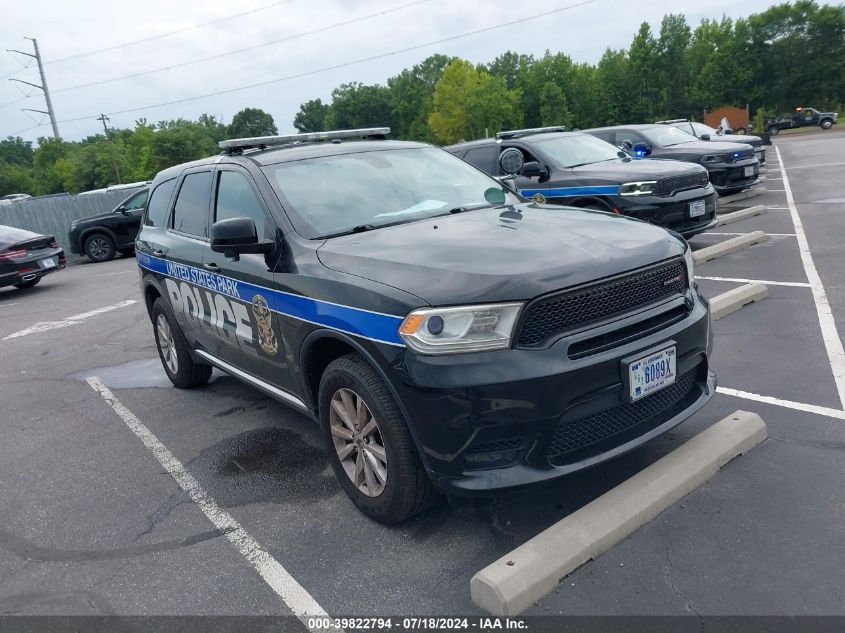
668, 136
157, 209
625, 135
190, 214
483, 157
237, 199
577, 149
700, 129
137, 201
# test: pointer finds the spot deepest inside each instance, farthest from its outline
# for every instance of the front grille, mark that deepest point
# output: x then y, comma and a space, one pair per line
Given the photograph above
654, 409
669, 186
552, 315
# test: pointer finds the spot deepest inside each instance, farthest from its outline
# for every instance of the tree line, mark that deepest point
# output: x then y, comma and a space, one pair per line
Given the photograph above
791, 54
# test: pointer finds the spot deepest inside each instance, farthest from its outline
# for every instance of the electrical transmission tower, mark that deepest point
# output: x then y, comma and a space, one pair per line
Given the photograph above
104, 119
42, 87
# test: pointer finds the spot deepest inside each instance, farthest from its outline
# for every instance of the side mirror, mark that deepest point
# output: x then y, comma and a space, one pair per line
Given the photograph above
705, 137
627, 145
237, 236
121, 209
511, 161
530, 169
641, 150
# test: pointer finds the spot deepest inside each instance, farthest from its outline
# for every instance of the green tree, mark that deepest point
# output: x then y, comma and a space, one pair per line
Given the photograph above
311, 116
252, 122
553, 107
16, 151
412, 97
355, 105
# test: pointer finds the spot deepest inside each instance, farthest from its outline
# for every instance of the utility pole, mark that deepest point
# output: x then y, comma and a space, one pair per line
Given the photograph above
43, 86
104, 118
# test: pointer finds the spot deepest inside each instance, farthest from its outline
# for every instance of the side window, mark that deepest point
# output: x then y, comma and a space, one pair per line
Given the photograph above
157, 208
190, 214
137, 201
237, 199
605, 136
484, 158
625, 135
526, 155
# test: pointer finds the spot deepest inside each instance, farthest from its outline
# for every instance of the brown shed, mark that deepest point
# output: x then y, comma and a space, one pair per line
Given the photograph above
738, 118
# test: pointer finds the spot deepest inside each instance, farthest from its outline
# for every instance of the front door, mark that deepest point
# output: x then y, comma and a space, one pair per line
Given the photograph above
536, 187
247, 334
129, 219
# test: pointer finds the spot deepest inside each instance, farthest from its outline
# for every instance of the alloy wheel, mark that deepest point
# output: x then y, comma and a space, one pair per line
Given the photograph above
166, 344
98, 247
358, 442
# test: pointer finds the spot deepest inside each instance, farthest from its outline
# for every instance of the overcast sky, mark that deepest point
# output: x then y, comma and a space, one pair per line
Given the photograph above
65, 29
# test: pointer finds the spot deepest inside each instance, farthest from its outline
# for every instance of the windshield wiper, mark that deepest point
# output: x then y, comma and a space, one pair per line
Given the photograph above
472, 207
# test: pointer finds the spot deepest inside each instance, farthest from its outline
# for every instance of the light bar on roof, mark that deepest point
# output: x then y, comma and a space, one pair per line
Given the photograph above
267, 141
530, 130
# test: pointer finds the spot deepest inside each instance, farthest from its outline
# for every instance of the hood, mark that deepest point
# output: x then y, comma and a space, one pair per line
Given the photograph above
637, 169
748, 139
10, 235
93, 218
500, 254
710, 147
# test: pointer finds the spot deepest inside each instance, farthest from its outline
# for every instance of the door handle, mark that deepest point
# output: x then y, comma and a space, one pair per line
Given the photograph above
159, 253
212, 267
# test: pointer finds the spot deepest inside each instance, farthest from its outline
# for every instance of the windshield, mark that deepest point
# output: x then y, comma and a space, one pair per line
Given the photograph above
576, 150
700, 129
333, 195
667, 136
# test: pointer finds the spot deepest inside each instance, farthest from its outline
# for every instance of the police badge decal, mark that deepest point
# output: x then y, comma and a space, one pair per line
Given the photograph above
263, 319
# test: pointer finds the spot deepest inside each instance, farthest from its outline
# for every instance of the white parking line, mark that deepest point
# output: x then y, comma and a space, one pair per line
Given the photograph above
770, 234
789, 404
271, 571
830, 335
43, 326
816, 165
4, 305
796, 284
120, 272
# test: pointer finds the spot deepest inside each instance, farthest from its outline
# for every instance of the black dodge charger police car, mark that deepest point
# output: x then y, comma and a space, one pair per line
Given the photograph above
706, 133
579, 170
732, 166
445, 333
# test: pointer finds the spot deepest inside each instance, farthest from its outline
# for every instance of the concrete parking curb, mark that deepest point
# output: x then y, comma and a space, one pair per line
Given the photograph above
732, 245
732, 300
742, 195
514, 582
736, 216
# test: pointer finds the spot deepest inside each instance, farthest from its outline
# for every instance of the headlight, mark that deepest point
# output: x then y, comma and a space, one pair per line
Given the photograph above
643, 188
463, 329
711, 158
690, 266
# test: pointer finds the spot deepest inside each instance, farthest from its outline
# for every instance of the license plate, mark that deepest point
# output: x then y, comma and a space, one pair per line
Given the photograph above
749, 171
696, 208
649, 374
50, 262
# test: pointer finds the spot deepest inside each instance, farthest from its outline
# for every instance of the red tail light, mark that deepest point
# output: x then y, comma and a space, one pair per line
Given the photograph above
21, 252
54, 243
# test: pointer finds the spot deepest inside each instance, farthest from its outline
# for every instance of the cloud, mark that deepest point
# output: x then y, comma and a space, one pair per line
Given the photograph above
66, 29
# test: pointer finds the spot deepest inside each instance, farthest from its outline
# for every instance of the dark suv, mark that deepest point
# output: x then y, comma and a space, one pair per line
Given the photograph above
732, 166
444, 332
580, 170
101, 236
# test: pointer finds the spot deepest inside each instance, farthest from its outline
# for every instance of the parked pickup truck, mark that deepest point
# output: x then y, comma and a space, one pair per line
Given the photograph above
802, 117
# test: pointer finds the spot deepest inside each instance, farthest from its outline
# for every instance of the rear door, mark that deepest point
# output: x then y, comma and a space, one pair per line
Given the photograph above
180, 250
247, 333
485, 157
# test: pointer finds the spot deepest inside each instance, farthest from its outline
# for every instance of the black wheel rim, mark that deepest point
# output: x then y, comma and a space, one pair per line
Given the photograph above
98, 247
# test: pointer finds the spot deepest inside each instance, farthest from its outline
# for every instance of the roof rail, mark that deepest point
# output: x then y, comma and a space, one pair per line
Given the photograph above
239, 144
669, 121
530, 130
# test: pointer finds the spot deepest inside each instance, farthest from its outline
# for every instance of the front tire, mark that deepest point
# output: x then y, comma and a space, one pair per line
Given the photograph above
826, 124
773, 131
99, 247
173, 350
369, 445
28, 284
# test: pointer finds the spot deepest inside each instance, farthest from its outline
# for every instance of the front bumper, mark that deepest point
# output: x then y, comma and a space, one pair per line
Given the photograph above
729, 177
672, 212
515, 417
30, 268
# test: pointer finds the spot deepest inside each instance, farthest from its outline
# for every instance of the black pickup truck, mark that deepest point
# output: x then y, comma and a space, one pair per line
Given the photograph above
802, 117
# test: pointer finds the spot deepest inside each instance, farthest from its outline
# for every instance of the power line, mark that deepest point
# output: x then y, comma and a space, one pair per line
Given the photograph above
243, 50
344, 64
168, 34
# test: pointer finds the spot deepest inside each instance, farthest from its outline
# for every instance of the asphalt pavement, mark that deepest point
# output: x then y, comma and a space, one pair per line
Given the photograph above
92, 523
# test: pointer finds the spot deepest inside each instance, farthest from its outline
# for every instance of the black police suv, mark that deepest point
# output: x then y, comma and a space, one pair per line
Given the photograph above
706, 133
580, 170
26, 257
101, 236
732, 166
446, 333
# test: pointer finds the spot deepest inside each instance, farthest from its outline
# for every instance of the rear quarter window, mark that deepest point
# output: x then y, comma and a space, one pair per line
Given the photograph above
156, 213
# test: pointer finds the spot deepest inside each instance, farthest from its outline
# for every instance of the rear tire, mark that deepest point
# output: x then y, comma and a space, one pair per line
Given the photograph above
379, 470
773, 130
99, 247
173, 350
28, 284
